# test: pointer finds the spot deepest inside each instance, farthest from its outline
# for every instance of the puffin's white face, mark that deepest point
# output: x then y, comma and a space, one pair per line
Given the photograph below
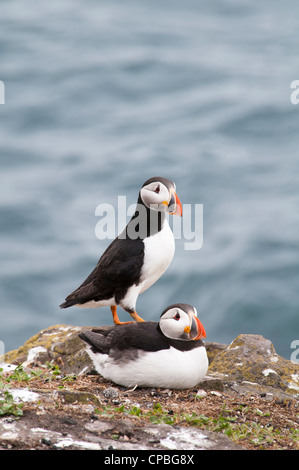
158, 197
176, 323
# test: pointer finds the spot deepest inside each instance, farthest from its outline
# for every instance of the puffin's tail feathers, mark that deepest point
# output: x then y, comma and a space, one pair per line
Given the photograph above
68, 303
97, 340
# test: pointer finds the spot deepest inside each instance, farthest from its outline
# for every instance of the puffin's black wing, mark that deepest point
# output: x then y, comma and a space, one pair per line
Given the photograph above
142, 336
118, 268
145, 336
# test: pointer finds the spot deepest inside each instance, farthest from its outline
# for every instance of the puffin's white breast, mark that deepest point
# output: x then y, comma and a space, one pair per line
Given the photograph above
167, 368
158, 254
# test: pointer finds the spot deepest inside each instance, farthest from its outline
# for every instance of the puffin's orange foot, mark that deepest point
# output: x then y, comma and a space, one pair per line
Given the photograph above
136, 317
116, 320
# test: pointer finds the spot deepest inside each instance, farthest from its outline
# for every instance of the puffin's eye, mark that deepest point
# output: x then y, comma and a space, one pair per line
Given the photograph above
177, 316
157, 190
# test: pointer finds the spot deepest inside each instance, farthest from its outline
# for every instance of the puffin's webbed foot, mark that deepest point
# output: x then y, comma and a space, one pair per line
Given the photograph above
117, 321
136, 317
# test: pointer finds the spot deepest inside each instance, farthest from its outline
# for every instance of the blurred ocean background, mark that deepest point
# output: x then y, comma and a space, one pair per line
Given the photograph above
100, 96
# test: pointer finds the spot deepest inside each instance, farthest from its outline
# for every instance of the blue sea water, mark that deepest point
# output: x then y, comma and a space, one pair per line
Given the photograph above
101, 96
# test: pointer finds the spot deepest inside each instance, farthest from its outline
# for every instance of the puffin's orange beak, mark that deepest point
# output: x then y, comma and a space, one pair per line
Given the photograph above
178, 206
200, 329
197, 330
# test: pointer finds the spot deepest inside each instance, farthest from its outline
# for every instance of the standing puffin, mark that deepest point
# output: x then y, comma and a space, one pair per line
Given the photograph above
137, 257
168, 354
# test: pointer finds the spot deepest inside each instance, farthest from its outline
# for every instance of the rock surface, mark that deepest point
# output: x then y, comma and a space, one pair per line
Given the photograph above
249, 366
56, 343
96, 435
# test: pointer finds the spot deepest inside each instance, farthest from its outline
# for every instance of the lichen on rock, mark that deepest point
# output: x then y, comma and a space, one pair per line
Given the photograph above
252, 358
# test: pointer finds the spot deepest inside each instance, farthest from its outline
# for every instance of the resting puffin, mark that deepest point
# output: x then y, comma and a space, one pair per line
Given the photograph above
168, 354
137, 257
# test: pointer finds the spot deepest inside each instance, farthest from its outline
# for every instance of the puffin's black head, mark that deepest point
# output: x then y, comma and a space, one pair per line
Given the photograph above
159, 194
179, 321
